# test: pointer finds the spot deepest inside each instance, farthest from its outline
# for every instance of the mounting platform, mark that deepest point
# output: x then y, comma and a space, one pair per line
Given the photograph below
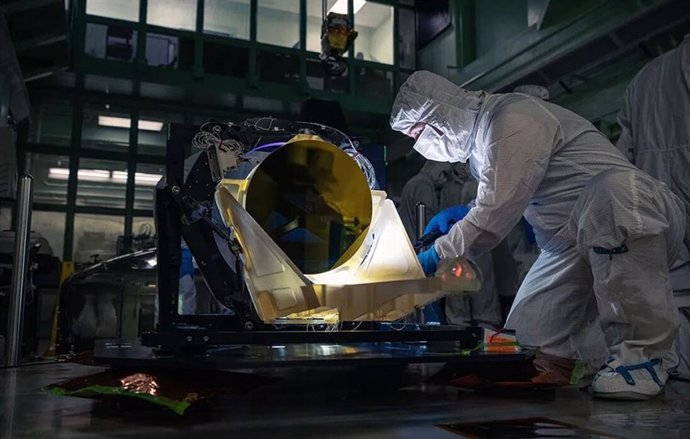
240, 350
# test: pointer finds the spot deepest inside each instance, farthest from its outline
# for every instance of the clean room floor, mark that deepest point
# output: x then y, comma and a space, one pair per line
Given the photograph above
326, 403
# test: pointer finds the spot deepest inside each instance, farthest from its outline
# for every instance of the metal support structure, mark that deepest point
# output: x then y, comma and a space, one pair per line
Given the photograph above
131, 170
421, 224
188, 338
20, 270
465, 32
421, 219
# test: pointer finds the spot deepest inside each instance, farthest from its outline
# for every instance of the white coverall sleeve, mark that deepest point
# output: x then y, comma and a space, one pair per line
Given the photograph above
516, 147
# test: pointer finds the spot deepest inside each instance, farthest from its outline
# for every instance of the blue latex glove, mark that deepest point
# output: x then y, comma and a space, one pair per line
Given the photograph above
428, 259
444, 220
186, 263
529, 231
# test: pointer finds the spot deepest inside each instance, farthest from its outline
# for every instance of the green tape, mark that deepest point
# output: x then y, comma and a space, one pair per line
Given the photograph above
578, 372
178, 407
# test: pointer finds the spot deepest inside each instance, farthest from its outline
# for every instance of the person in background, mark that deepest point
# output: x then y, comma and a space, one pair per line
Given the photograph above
655, 136
186, 303
425, 188
481, 308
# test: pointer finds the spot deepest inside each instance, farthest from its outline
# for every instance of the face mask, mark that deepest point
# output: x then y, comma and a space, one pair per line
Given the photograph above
434, 146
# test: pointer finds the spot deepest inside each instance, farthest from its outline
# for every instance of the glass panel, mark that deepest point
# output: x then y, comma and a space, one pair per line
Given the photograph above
229, 18
277, 22
145, 183
107, 85
374, 23
214, 98
96, 235
216, 58
262, 104
51, 225
318, 80
375, 83
315, 74
169, 51
52, 123
153, 131
120, 9
162, 91
407, 39
282, 68
51, 173
142, 237
110, 42
314, 21
105, 128
175, 14
143, 225
101, 183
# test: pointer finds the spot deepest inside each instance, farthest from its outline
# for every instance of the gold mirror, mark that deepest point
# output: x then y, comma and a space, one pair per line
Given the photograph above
313, 200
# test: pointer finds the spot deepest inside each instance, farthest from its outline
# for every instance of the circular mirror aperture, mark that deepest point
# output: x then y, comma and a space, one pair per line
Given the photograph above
313, 200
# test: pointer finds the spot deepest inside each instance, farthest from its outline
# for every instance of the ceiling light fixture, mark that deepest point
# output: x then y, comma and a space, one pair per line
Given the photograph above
58, 173
140, 178
103, 175
93, 175
125, 122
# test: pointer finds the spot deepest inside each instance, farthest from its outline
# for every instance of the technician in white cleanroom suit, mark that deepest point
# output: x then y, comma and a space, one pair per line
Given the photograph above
655, 122
608, 231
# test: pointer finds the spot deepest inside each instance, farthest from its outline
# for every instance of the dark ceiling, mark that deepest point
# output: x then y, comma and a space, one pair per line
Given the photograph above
38, 29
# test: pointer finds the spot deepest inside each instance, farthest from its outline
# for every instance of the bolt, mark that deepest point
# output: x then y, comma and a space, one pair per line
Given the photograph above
249, 325
205, 337
175, 190
189, 338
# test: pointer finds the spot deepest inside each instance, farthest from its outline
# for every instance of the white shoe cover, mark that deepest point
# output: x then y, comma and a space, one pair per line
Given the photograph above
635, 382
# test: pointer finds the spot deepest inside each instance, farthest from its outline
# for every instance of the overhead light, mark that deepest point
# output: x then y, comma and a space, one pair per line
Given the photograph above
340, 6
140, 178
58, 173
150, 125
103, 175
93, 175
143, 179
112, 121
119, 177
125, 122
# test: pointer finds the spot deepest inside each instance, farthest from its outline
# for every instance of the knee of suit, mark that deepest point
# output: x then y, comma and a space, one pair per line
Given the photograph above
618, 206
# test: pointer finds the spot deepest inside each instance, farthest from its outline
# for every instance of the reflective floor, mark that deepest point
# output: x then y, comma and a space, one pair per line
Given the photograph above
327, 403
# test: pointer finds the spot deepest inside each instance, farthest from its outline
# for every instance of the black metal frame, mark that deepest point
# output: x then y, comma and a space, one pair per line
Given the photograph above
185, 339
172, 223
390, 354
